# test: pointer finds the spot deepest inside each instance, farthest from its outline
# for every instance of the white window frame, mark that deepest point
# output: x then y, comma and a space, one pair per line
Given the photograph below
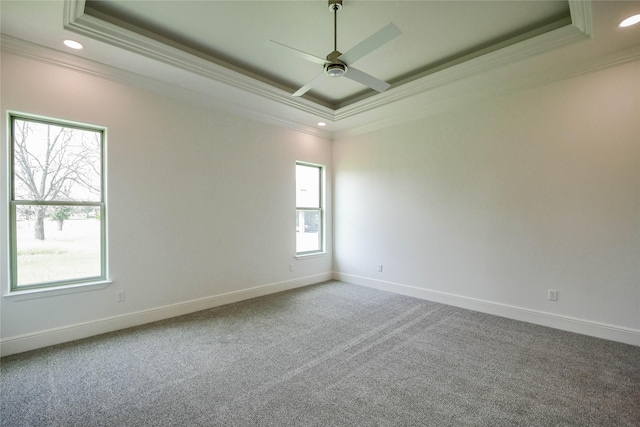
320, 210
102, 278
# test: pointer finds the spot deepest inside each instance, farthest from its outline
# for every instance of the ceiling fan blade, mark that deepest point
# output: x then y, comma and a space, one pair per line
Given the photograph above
304, 89
370, 44
366, 79
299, 53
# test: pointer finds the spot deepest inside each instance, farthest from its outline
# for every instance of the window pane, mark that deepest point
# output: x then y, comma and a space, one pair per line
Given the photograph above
308, 235
307, 186
56, 163
57, 243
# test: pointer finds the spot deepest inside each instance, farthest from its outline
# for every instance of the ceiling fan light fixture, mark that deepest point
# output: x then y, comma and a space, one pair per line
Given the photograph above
335, 70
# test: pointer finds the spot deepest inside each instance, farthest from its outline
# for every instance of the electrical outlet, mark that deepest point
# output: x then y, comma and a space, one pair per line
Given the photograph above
291, 267
379, 268
553, 295
119, 296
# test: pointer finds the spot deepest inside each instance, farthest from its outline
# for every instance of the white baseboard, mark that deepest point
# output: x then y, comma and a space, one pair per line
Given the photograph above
565, 323
19, 344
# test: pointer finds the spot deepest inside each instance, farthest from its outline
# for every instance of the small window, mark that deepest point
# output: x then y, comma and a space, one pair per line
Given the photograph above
57, 207
309, 209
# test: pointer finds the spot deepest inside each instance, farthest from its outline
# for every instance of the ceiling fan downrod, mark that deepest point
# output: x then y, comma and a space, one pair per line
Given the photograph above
335, 6
335, 68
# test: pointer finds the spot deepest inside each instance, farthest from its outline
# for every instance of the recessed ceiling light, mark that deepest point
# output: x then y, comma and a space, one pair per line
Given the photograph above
321, 124
632, 20
73, 44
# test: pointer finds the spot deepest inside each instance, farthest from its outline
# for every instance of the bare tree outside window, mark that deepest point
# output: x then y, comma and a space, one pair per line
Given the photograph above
54, 163
57, 180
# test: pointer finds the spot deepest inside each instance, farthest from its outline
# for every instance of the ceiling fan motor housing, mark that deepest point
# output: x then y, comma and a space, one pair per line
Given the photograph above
336, 69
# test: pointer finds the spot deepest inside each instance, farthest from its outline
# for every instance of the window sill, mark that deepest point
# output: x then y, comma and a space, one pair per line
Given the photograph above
56, 291
311, 255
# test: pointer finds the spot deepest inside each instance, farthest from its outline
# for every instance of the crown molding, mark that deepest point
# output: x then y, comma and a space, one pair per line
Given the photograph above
480, 63
431, 103
543, 40
432, 91
81, 23
46, 55
582, 16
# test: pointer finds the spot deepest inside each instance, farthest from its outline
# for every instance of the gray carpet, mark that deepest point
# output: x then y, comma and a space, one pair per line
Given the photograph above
332, 354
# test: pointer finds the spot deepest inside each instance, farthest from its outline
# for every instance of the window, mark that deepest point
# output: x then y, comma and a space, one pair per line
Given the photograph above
309, 209
57, 207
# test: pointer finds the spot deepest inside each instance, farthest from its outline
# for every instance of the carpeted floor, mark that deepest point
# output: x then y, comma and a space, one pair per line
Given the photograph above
332, 354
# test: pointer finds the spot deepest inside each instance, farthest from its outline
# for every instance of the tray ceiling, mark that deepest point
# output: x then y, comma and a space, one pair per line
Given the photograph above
235, 34
215, 53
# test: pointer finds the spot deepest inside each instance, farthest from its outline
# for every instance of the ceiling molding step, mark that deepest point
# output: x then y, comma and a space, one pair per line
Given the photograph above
46, 55
582, 15
512, 53
447, 101
436, 90
428, 105
76, 20
72, 10
133, 42
280, 122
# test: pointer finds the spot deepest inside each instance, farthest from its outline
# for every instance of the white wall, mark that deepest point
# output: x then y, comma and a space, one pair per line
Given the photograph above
486, 206
490, 205
201, 203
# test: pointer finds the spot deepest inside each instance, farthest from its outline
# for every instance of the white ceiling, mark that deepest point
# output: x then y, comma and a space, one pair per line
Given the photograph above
216, 52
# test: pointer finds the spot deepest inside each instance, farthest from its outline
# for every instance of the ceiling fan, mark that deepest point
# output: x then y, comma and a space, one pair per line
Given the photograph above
338, 64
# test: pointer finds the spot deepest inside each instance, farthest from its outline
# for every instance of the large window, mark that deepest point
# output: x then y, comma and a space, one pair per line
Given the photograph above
57, 208
309, 209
